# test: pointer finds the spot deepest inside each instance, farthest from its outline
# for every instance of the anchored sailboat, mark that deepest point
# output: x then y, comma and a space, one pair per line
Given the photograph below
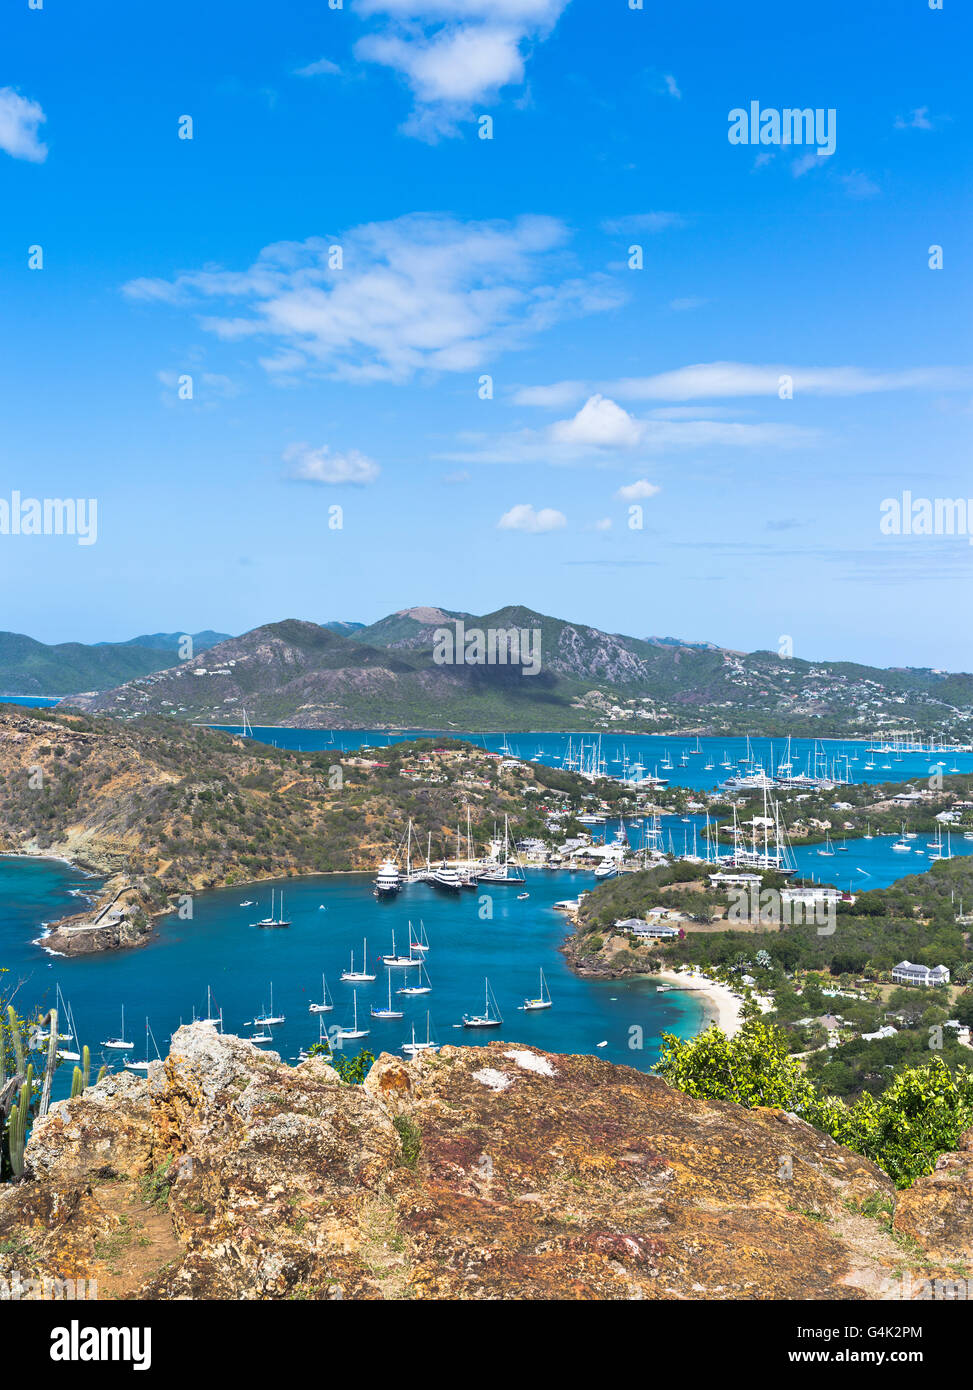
413, 1048
485, 1019
388, 1011
273, 921
327, 1003
144, 1065
359, 976
267, 1020
119, 1044
543, 1000
351, 1034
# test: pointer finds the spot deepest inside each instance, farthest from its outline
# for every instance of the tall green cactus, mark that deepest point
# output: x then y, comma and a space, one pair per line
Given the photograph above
17, 1038
82, 1074
17, 1125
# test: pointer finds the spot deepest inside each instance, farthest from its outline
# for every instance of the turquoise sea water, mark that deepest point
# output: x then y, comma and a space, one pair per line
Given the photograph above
167, 979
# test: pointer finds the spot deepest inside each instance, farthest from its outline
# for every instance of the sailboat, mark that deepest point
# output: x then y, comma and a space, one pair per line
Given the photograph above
388, 1011
413, 1048
420, 942
351, 1034
144, 1066
273, 921
543, 1000
210, 1016
119, 1044
268, 1020
508, 870
828, 850
901, 845
327, 1003
419, 988
485, 1019
393, 960
359, 976
305, 1055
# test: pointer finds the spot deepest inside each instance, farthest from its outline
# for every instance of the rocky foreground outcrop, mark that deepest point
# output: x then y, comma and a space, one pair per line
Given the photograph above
478, 1173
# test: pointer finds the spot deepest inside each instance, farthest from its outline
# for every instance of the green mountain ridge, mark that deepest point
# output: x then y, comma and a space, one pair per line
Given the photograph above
306, 675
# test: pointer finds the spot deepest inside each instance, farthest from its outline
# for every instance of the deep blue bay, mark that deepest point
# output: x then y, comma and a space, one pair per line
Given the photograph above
167, 979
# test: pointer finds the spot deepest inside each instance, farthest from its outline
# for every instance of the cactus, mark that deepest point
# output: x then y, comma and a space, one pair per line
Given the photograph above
17, 1038
17, 1125
82, 1074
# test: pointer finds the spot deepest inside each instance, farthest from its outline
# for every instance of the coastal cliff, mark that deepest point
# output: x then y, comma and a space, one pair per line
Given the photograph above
475, 1173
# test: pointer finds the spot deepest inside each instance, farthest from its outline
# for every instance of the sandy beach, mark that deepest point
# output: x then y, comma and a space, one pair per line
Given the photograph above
719, 1005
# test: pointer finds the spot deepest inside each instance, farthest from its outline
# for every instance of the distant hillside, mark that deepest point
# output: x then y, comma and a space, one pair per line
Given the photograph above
32, 668
172, 641
301, 674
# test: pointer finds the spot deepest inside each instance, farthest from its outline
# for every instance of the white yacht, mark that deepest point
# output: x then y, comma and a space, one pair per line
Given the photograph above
388, 880
446, 877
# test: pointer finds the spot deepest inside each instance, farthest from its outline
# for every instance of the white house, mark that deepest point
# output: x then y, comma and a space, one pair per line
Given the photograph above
905, 973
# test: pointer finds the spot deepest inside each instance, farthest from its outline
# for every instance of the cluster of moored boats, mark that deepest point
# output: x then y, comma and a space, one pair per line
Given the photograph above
502, 867
359, 972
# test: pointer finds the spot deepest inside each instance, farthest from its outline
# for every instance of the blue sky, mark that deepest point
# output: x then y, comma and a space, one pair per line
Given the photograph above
358, 387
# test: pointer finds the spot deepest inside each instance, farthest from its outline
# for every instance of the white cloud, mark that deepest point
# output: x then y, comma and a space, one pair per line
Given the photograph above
919, 119
685, 306
421, 293
322, 466
806, 163
642, 222
603, 524
640, 490
524, 518
19, 122
453, 53
859, 185
599, 422
713, 380
654, 437
322, 68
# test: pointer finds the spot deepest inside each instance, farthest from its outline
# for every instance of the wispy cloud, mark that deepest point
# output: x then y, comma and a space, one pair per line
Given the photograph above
20, 120
715, 380
421, 293
920, 119
635, 222
323, 67
602, 432
454, 54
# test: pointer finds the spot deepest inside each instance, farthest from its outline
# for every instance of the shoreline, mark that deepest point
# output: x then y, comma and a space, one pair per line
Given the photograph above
720, 1005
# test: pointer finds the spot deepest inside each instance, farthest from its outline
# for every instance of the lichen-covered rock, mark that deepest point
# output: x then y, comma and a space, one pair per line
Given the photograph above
937, 1211
480, 1173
